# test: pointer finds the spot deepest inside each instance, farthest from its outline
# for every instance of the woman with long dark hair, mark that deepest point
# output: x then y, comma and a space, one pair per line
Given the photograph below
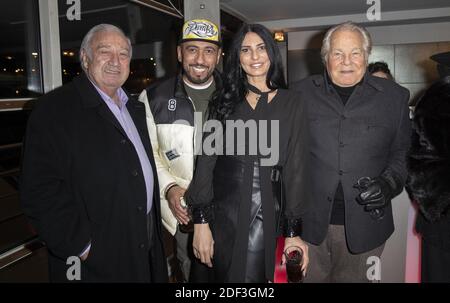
245, 195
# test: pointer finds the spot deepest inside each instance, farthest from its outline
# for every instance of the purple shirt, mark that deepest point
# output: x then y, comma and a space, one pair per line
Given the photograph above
123, 116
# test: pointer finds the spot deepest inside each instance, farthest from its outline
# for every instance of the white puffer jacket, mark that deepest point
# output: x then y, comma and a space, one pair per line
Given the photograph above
172, 143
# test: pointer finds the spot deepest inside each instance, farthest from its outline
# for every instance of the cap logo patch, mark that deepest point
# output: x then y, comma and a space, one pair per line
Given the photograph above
200, 29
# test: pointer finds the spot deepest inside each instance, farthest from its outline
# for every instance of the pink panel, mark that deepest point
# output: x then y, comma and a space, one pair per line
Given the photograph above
412, 266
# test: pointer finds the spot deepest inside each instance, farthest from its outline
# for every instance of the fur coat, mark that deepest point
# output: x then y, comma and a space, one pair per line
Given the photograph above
429, 158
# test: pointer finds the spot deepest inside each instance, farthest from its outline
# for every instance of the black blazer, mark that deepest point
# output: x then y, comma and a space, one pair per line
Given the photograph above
368, 136
82, 181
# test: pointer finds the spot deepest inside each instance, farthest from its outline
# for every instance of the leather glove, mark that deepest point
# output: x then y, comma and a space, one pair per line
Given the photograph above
374, 195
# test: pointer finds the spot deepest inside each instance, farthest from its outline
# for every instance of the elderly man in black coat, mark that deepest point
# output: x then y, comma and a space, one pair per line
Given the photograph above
88, 181
360, 133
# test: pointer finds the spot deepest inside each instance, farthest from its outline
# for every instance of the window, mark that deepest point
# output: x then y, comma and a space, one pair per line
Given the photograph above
20, 64
153, 36
20, 77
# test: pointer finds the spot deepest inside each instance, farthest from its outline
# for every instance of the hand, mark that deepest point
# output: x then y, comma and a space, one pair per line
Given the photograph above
174, 196
203, 243
297, 241
84, 256
374, 194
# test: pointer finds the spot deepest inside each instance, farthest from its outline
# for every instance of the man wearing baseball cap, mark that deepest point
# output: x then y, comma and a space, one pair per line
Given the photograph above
175, 99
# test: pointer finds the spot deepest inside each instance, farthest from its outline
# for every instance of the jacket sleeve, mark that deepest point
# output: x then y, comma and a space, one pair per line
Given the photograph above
199, 195
395, 173
295, 171
165, 178
46, 190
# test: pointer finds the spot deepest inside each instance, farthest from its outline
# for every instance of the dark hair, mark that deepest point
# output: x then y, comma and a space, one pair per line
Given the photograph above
432, 117
380, 66
235, 84
443, 70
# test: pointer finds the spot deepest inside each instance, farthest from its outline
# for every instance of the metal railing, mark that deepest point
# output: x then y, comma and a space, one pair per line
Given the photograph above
10, 146
20, 252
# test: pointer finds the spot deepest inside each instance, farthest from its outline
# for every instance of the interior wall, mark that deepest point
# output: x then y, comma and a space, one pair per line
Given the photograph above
381, 35
406, 49
409, 63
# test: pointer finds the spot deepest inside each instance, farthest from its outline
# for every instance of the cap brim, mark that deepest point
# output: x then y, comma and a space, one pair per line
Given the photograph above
218, 43
442, 58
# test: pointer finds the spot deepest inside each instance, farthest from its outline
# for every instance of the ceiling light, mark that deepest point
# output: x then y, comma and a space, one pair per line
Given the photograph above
279, 36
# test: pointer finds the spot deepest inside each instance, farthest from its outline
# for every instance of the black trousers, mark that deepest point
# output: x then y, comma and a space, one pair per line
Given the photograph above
435, 264
200, 273
158, 273
255, 266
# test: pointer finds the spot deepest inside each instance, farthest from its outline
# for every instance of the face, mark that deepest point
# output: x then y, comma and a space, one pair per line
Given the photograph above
199, 59
110, 63
346, 58
253, 57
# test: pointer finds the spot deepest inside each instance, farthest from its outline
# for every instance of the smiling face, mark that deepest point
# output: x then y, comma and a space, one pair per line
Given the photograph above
109, 65
347, 60
253, 56
199, 59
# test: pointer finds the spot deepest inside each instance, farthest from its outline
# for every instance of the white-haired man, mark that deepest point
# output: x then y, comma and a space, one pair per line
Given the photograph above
360, 133
89, 183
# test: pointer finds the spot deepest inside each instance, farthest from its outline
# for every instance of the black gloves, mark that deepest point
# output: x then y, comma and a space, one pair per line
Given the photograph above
374, 195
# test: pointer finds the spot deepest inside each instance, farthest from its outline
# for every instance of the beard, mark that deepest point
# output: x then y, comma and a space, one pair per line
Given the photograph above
198, 80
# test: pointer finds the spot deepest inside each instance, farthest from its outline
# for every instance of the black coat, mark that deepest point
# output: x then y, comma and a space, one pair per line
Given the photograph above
368, 136
82, 181
429, 165
226, 184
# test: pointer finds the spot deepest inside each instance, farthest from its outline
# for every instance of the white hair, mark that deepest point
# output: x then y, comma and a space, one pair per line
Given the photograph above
86, 44
346, 26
